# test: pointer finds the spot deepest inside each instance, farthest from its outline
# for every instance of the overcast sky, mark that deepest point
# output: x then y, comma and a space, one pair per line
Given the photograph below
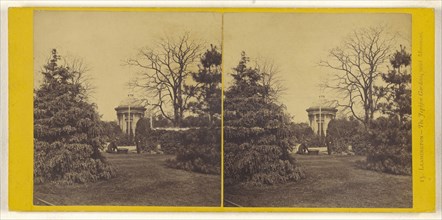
104, 40
295, 42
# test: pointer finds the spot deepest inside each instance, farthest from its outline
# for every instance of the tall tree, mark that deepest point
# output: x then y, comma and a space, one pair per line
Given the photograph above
67, 130
256, 132
397, 91
165, 68
356, 64
208, 84
390, 137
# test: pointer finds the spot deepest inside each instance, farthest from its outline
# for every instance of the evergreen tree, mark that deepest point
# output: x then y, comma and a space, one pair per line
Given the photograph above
398, 89
256, 133
390, 137
142, 131
66, 129
208, 84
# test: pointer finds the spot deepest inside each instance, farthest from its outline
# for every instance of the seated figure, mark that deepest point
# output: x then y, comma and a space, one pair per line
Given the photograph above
112, 147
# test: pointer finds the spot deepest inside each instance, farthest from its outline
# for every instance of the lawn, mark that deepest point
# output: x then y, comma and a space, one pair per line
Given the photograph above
143, 180
331, 182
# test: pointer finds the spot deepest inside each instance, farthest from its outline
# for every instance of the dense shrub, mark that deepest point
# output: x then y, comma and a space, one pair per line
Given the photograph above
110, 130
67, 130
342, 133
200, 121
302, 133
123, 139
200, 151
169, 140
390, 146
196, 149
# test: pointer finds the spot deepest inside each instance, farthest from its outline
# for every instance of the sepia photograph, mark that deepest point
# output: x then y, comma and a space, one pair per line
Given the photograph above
127, 108
158, 110
317, 110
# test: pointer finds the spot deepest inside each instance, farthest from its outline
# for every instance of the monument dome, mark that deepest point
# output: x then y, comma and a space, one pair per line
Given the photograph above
129, 111
320, 114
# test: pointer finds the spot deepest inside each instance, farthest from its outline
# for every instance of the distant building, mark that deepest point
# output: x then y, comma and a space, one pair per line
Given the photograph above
319, 116
129, 112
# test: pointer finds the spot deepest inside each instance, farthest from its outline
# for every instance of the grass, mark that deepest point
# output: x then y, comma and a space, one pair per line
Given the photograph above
331, 182
142, 180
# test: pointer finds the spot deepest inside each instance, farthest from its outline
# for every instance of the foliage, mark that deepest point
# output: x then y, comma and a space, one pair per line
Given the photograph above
200, 151
256, 133
198, 121
390, 146
302, 133
398, 90
124, 139
207, 90
390, 137
67, 131
113, 133
110, 131
168, 140
196, 149
159, 121
342, 133
142, 130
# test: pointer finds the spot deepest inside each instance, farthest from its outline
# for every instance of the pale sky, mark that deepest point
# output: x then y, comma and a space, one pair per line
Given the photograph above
295, 42
104, 40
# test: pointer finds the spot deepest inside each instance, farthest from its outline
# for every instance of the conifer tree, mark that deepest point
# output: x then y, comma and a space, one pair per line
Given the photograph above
390, 137
66, 129
207, 90
256, 133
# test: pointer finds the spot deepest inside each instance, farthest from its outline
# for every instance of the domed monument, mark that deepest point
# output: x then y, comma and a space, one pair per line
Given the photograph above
319, 115
129, 111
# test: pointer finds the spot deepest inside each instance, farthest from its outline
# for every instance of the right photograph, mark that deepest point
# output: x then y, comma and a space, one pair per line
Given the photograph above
317, 110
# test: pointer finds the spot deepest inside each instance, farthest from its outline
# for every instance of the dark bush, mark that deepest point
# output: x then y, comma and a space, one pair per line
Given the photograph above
342, 133
196, 149
390, 146
200, 151
170, 141
124, 140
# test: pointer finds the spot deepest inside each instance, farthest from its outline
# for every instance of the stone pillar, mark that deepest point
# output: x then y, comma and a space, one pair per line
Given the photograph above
326, 121
315, 125
124, 123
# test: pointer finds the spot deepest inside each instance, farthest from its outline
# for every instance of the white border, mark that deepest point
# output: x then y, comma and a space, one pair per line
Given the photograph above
5, 4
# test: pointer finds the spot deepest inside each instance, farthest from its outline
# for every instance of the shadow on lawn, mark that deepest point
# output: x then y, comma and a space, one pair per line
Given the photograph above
142, 180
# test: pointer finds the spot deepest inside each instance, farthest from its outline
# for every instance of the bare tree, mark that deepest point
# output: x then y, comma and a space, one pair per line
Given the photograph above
80, 74
164, 71
270, 78
356, 66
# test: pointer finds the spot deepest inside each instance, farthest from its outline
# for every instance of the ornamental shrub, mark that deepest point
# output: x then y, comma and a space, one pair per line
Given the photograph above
390, 146
342, 133
67, 130
169, 140
196, 149
200, 151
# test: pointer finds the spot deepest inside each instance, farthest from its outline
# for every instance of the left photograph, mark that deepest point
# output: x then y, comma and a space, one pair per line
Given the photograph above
127, 108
